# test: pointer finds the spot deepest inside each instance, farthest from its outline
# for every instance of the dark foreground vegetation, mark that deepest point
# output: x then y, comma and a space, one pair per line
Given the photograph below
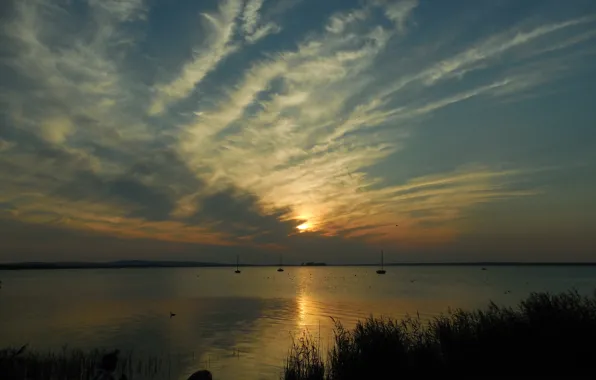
68, 364
545, 336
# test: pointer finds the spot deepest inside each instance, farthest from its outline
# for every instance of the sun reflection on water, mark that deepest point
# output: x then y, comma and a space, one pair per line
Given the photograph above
307, 316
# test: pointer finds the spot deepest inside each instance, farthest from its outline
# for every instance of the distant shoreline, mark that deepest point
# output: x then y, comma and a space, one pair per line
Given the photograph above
185, 264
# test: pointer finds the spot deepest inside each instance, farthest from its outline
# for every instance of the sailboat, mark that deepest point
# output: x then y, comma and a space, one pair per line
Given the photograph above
237, 270
382, 270
280, 269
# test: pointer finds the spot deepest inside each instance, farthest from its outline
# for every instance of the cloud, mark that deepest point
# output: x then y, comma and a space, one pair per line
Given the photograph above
400, 11
496, 45
480, 56
23, 241
241, 215
293, 153
56, 129
38, 166
338, 22
6, 145
299, 148
73, 85
251, 16
263, 31
139, 203
219, 29
122, 10
251, 137
142, 200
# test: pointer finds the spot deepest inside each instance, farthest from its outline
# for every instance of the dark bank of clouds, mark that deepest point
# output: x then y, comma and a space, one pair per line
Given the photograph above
148, 191
23, 241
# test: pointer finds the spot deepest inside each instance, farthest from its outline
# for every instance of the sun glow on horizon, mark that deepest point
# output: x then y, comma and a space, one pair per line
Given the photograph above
304, 226
283, 137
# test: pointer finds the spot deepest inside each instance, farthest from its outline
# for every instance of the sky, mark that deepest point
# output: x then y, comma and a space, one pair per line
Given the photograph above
433, 130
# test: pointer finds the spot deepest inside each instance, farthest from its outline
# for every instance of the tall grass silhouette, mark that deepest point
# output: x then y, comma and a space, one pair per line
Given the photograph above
304, 361
544, 335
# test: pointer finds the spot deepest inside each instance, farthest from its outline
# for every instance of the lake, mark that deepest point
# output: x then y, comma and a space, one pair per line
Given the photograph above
242, 325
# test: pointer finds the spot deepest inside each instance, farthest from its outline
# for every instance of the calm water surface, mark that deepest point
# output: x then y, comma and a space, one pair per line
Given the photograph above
241, 326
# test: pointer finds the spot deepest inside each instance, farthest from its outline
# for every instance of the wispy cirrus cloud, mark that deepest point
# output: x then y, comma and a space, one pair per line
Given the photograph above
250, 15
220, 29
121, 10
238, 145
399, 11
494, 46
300, 147
252, 26
75, 86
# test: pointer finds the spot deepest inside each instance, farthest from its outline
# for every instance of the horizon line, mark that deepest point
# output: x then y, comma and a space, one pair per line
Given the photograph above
197, 264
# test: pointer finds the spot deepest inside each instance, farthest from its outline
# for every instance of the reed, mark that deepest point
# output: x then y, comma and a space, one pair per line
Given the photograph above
66, 364
544, 335
304, 360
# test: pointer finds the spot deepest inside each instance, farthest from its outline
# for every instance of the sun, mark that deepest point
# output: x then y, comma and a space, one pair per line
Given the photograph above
303, 227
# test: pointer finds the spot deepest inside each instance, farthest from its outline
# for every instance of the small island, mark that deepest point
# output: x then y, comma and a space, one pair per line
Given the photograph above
313, 264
